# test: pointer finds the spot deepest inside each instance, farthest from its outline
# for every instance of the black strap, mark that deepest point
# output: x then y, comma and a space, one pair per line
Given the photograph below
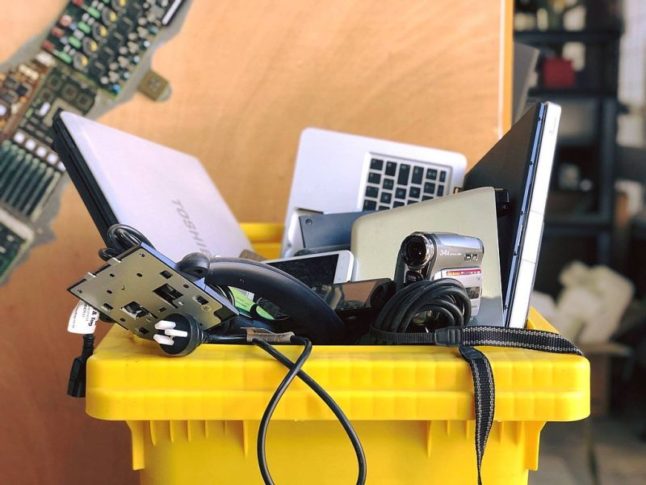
482, 335
466, 338
518, 337
484, 398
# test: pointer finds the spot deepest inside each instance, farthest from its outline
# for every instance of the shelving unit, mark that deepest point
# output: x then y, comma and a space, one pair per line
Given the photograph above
542, 37
591, 105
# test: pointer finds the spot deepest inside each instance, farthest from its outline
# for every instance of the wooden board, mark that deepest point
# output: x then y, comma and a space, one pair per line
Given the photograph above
247, 77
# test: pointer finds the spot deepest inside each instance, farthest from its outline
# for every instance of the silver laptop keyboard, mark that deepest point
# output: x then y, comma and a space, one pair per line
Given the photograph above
393, 183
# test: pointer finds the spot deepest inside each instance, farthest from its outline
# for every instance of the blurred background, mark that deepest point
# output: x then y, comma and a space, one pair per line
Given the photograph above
589, 56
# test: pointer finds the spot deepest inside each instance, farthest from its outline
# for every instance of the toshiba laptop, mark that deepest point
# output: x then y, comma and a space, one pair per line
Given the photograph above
339, 172
165, 194
520, 163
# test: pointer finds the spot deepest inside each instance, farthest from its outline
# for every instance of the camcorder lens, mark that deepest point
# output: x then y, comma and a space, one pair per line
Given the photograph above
416, 251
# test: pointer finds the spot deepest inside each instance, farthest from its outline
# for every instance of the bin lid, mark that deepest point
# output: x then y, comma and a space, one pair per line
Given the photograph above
128, 378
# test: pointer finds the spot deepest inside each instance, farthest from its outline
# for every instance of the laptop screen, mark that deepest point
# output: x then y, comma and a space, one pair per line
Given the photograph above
165, 194
521, 164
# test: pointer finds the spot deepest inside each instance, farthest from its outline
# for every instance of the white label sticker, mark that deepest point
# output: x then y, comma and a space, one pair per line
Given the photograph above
83, 319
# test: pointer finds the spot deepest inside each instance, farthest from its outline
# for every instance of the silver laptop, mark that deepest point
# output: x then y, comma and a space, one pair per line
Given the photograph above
165, 194
376, 239
337, 172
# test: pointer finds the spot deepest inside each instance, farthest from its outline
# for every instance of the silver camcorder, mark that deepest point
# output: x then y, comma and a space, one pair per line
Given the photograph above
431, 256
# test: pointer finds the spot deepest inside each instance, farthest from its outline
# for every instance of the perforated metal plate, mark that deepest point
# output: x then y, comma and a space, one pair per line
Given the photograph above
141, 287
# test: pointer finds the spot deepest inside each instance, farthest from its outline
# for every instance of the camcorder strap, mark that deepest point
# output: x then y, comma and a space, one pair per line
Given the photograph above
466, 339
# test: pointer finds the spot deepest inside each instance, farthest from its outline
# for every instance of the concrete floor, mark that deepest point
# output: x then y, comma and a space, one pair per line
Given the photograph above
566, 456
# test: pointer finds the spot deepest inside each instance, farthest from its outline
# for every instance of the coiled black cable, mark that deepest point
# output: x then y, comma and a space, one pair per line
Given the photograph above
445, 299
121, 237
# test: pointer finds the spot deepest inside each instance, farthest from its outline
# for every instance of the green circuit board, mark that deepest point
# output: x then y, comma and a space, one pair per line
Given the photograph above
88, 61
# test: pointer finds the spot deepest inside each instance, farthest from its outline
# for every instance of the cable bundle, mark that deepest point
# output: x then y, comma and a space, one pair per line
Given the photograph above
121, 237
445, 303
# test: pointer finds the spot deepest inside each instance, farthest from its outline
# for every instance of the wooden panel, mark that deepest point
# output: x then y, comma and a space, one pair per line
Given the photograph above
420, 72
247, 77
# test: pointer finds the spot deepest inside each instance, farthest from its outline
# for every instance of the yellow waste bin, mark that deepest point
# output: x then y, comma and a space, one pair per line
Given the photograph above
194, 419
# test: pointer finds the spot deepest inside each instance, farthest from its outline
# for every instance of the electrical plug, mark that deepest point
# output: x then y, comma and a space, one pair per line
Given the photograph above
179, 334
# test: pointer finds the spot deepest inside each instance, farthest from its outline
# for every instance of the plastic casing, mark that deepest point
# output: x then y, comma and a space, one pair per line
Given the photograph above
194, 419
344, 263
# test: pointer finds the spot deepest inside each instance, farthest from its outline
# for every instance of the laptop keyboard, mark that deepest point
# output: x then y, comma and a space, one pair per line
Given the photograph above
393, 183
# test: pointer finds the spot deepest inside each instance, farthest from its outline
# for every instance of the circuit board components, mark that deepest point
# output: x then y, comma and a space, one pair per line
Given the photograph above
91, 59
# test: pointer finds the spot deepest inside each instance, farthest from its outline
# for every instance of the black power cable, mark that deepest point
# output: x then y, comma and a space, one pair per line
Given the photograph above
76, 383
273, 402
295, 370
326, 398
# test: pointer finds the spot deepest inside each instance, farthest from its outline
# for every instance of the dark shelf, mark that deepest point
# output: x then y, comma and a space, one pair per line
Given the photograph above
579, 221
594, 226
583, 225
550, 37
570, 93
577, 231
582, 141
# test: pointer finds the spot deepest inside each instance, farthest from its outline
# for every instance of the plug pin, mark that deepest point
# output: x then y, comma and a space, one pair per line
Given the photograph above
164, 325
163, 339
172, 332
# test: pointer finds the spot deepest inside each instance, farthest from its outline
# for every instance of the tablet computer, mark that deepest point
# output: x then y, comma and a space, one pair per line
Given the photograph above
520, 163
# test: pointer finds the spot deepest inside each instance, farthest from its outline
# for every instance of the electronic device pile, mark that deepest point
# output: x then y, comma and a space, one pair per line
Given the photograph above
381, 248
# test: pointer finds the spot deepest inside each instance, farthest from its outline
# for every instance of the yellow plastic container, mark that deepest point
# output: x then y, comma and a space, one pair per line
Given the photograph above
194, 419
